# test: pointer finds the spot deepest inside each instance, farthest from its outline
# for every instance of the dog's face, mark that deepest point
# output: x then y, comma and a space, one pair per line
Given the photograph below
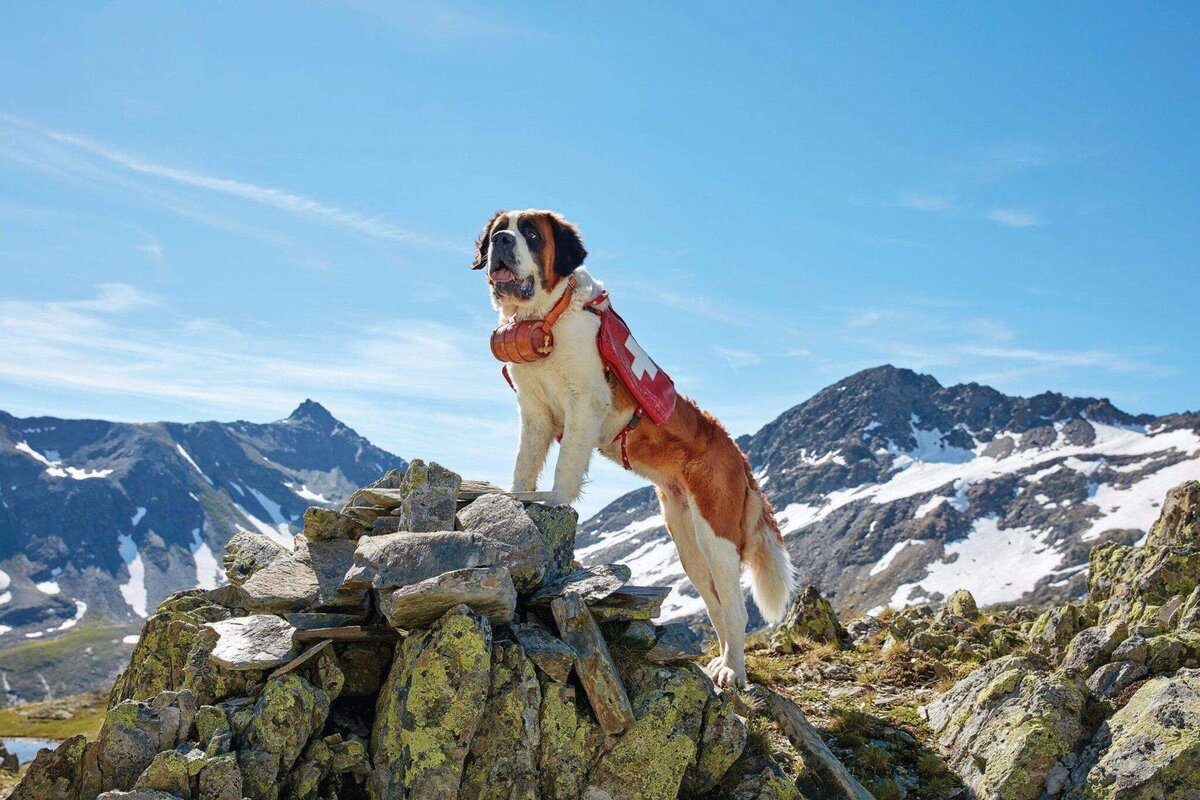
527, 252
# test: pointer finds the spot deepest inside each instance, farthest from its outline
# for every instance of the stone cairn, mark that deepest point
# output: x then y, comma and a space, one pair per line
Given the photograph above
433, 639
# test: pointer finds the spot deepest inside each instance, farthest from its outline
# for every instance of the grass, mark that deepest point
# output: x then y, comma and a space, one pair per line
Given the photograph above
35, 720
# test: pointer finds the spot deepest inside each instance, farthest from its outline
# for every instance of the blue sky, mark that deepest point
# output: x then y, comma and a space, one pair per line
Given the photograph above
208, 211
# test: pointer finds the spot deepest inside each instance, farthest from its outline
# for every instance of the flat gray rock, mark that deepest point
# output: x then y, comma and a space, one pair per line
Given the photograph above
258, 641
592, 584
287, 584
503, 520
313, 620
488, 591
674, 642
631, 603
550, 654
402, 559
330, 560
597, 672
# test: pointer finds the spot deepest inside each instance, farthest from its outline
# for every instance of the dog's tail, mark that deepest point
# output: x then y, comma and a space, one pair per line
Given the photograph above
772, 577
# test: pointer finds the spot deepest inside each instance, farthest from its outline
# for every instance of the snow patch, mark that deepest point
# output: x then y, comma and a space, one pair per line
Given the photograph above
1137, 506
130, 639
886, 561
137, 516
279, 533
208, 571
996, 564
195, 466
55, 468
305, 494
47, 587
133, 590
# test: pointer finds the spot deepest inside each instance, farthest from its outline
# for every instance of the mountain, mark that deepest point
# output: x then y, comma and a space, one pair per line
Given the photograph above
891, 488
100, 521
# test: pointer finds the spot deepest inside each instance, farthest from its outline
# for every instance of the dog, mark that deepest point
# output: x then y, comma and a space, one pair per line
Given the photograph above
715, 511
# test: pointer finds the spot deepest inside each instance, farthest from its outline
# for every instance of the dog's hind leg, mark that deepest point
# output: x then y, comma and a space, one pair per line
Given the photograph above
677, 513
724, 567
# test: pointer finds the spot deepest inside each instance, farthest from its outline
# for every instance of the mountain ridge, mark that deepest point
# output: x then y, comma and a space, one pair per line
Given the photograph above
886, 479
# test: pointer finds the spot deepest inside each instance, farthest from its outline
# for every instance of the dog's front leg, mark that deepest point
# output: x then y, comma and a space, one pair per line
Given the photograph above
581, 435
537, 431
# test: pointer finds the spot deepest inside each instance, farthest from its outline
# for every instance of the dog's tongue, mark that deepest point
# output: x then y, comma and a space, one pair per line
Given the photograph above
503, 275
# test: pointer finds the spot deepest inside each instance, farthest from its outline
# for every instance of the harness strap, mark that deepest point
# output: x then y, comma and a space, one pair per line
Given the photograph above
560, 306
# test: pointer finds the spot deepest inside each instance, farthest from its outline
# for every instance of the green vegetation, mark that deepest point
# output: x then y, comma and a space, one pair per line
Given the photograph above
55, 719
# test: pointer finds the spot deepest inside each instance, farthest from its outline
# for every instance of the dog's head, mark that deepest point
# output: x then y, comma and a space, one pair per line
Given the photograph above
527, 252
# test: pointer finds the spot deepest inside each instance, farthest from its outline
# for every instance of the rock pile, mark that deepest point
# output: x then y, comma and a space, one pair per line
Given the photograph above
1106, 703
433, 639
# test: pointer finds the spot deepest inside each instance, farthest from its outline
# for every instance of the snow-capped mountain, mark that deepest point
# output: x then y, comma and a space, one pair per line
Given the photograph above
890, 488
102, 520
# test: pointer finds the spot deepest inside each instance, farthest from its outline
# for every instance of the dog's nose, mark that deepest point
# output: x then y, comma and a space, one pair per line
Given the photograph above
503, 245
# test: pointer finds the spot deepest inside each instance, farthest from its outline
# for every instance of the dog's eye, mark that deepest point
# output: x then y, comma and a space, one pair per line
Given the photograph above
531, 235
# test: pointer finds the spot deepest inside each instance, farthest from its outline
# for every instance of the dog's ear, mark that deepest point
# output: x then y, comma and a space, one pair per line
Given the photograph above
481, 244
568, 246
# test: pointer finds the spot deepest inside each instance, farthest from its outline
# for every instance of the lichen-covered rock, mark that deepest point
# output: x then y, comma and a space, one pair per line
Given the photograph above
556, 525
220, 779
593, 663
648, 762
289, 711
810, 617
722, 739
960, 604
166, 645
1007, 725
132, 734
570, 741
54, 774
247, 552
325, 523
503, 760
1092, 647
488, 591
592, 584
1054, 630
429, 707
428, 493
1110, 680
1155, 750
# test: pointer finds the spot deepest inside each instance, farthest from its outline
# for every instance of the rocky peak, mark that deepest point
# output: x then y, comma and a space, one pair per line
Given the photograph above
310, 412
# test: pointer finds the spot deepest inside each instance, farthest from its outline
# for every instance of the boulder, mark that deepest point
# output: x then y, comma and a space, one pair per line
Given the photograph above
402, 559
630, 603
289, 711
321, 524
247, 552
427, 497
502, 763
649, 760
54, 774
1007, 727
1155, 749
810, 618
286, 584
1092, 647
960, 604
258, 641
1110, 680
674, 642
503, 520
429, 708
556, 526
570, 741
722, 740
759, 778
488, 591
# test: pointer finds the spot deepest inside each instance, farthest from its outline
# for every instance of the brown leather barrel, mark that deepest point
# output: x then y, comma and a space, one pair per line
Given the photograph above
522, 342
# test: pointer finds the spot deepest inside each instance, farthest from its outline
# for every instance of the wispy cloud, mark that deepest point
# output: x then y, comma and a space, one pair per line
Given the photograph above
282, 200
1013, 217
736, 357
920, 201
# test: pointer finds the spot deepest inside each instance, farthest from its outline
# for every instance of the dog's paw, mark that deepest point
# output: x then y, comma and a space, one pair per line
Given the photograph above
711, 667
728, 678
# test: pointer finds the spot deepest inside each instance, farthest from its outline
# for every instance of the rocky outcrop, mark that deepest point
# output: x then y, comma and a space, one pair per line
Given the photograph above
429, 640
1107, 702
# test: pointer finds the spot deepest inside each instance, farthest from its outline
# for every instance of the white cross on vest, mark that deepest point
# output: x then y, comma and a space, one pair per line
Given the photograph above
643, 366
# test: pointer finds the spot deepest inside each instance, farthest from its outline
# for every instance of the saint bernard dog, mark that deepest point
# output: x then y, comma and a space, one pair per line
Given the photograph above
714, 509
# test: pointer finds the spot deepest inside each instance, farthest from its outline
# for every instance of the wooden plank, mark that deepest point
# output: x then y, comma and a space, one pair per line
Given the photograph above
350, 633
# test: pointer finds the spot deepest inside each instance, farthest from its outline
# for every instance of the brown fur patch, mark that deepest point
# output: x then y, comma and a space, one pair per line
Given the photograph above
693, 451
550, 278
